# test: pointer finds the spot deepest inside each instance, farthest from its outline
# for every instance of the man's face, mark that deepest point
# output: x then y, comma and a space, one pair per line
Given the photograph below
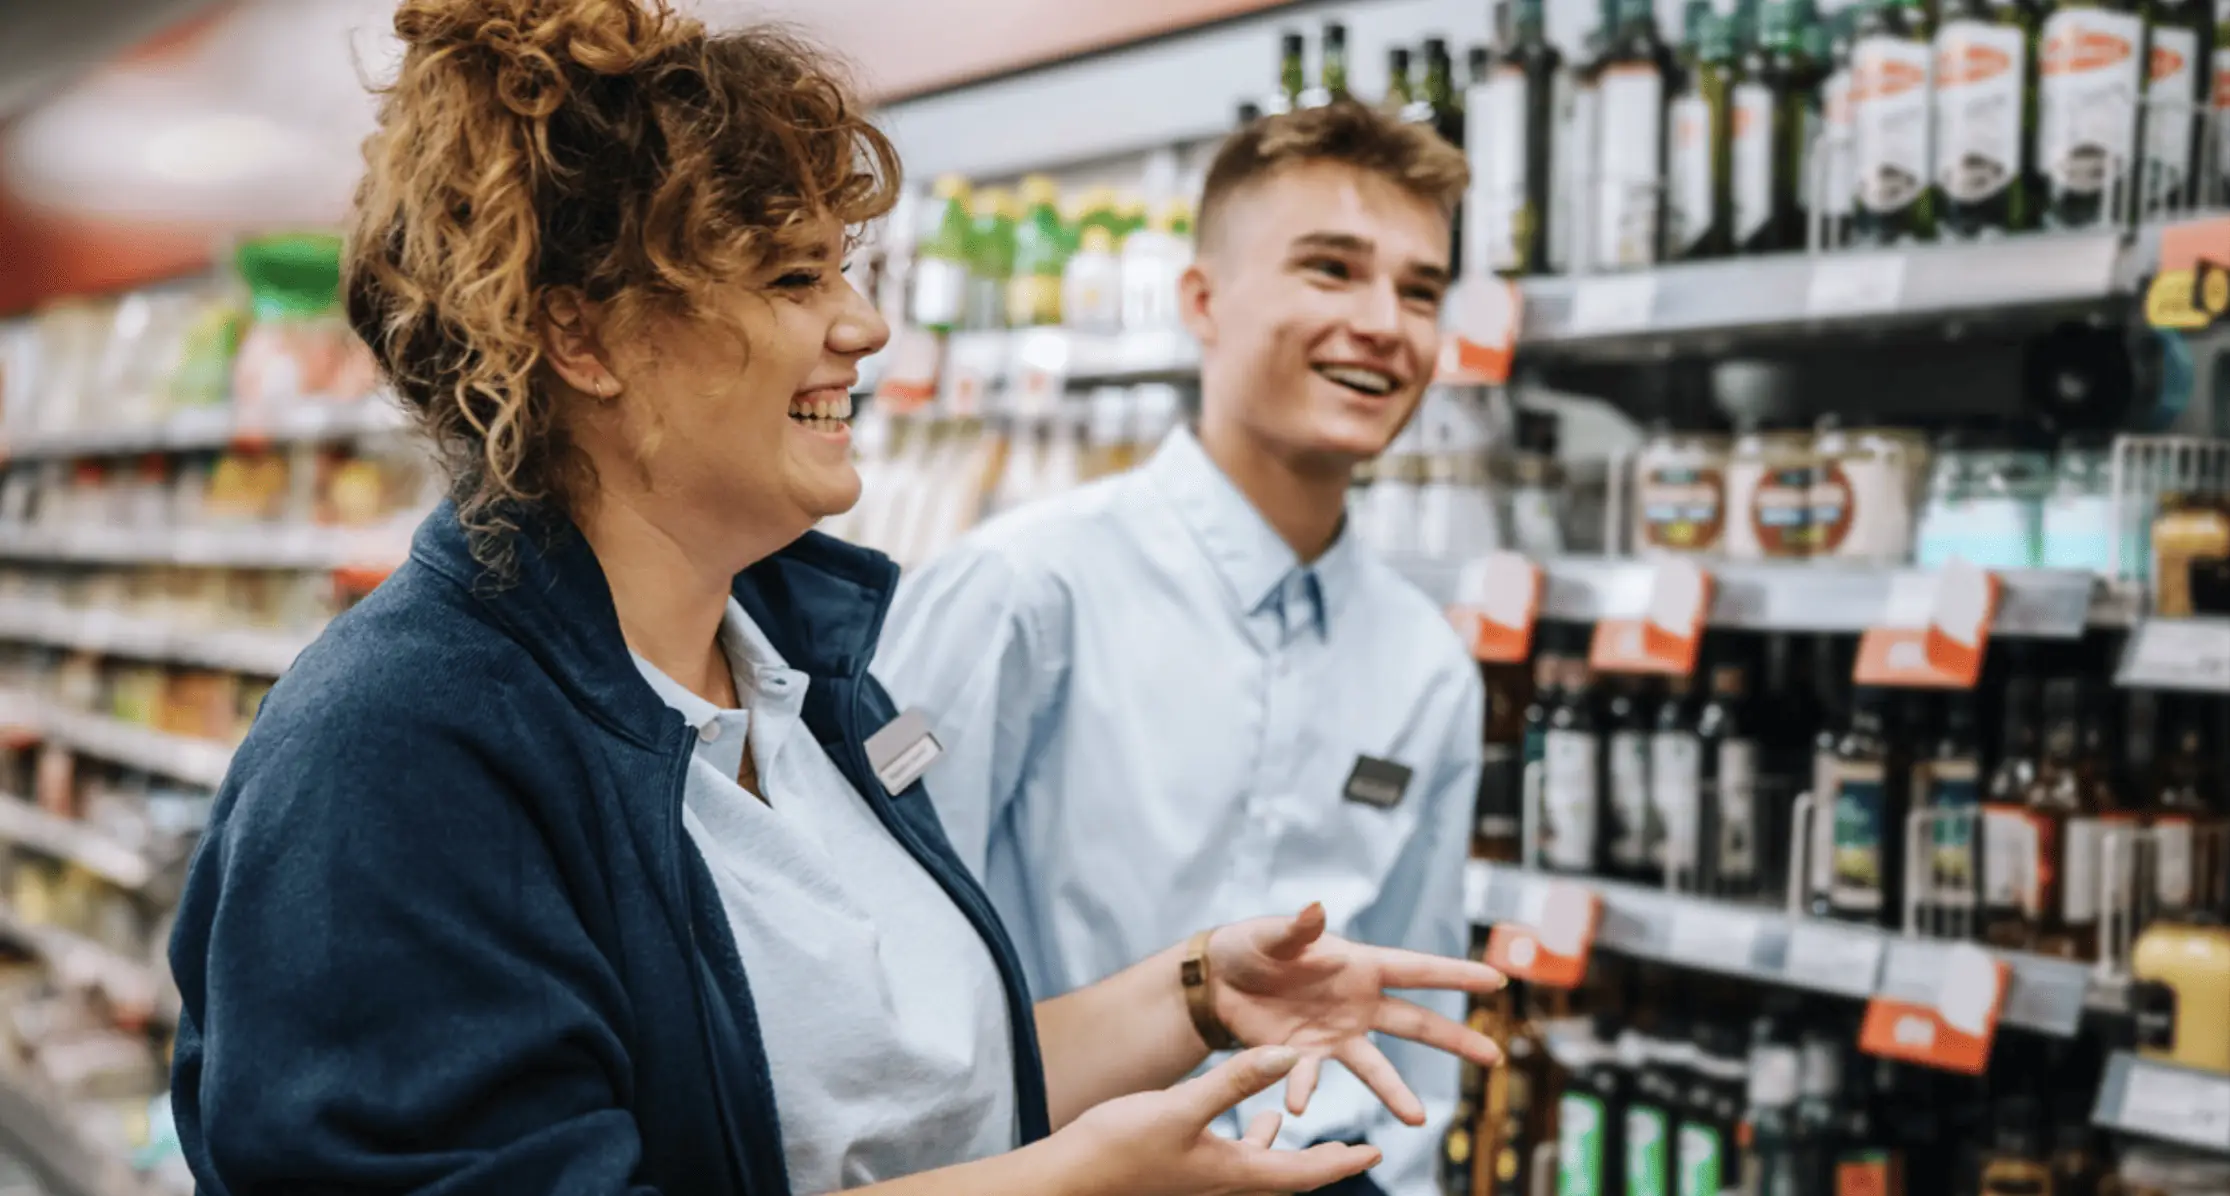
1318, 312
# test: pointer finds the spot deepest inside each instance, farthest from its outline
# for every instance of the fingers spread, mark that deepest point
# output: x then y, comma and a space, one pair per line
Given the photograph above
1290, 940
1301, 1085
1404, 1019
1239, 1077
1263, 1130
1371, 1067
1415, 969
1301, 1170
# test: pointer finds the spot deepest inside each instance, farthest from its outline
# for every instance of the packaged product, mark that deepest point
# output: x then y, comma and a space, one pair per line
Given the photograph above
1865, 494
1680, 495
298, 345
1769, 495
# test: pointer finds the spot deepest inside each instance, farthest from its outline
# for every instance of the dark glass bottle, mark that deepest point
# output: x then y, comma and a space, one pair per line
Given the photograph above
1869, 814
1591, 1116
1890, 124
2183, 818
2176, 34
1675, 779
2016, 1164
1521, 1095
1711, 1114
1443, 106
1626, 731
1698, 214
1730, 832
1572, 815
1659, 1088
1496, 832
1986, 117
2064, 832
1512, 153
1634, 80
1293, 79
1772, 130
2010, 884
1818, 1124
1832, 675
1401, 97
1771, 1165
1331, 86
1947, 784
2089, 70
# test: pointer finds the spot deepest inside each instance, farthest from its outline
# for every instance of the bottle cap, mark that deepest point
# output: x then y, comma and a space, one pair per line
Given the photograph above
1039, 191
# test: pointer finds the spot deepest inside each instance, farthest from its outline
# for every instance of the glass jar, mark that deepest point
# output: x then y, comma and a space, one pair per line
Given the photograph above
1769, 495
2191, 530
1983, 505
1680, 495
1864, 492
2078, 522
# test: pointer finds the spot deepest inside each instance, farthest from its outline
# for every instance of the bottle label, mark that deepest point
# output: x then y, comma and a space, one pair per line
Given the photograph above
1889, 97
1683, 508
1569, 765
1868, 1173
1498, 145
2019, 859
2079, 875
1628, 165
2172, 875
940, 292
1842, 144
1675, 762
1981, 77
1861, 808
1702, 1160
1579, 1146
1952, 791
1629, 765
1735, 792
2171, 105
1753, 164
1573, 152
2087, 109
1646, 1145
1781, 511
1688, 174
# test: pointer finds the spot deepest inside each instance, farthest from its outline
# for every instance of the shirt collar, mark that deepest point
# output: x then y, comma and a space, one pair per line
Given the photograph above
752, 660
1259, 568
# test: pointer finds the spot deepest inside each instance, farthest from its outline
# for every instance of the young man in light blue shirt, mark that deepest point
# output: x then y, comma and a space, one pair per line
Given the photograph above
1183, 696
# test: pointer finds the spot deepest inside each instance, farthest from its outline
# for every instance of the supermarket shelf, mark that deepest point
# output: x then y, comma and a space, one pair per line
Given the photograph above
2164, 1102
2045, 603
244, 650
31, 1120
1764, 944
215, 428
1844, 291
196, 761
66, 838
2182, 654
232, 548
81, 962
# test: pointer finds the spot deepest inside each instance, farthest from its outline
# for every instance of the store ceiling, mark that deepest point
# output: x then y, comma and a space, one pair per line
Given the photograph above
44, 44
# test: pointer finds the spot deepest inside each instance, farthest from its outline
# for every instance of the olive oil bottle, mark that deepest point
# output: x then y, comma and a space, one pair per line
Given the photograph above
1890, 67
1986, 117
1401, 98
1697, 212
1837, 176
1578, 133
1513, 111
1292, 73
1773, 127
2088, 75
1634, 80
2176, 32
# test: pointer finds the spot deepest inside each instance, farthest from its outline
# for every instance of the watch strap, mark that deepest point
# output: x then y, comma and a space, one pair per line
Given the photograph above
1200, 996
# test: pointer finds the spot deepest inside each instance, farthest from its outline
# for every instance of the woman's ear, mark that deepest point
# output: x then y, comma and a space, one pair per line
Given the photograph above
570, 344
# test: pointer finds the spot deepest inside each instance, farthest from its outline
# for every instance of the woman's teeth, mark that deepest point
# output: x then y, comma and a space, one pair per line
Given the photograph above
825, 413
1369, 381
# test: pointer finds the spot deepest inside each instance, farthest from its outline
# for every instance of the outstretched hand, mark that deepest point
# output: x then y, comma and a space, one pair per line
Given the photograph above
1285, 982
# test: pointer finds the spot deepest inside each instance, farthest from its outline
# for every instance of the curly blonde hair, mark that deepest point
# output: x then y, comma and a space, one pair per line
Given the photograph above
608, 146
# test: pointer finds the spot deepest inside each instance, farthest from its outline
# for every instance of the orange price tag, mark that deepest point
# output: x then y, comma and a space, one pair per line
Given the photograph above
1482, 333
1496, 603
910, 379
1664, 639
1952, 1032
1551, 946
1934, 631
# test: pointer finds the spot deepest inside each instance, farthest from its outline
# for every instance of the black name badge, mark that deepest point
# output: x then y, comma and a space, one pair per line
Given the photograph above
902, 751
1377, 782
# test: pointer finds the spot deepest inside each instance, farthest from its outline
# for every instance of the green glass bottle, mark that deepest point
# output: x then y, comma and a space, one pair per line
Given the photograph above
1401, 98
1698, 214
2087, 116
1773, 126
1293, 75
1986, 117
1634, 81
1890, 62
941, 260
1041, 255
1439, 93
991, 259
1512, 127
1331, 86
2176, 34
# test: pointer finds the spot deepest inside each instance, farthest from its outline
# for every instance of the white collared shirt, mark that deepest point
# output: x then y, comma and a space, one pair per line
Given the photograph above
1150, 709
881, 1010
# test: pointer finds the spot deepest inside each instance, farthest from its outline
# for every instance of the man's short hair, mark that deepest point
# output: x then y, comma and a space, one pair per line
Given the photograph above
1411, 156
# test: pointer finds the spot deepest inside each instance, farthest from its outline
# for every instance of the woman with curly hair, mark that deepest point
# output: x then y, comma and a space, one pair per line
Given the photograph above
586, 855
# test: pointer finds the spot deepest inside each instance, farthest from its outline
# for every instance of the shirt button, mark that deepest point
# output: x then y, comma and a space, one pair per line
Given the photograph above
710, 732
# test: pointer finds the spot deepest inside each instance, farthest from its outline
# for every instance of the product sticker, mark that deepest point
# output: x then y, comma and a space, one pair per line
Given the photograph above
1628, 165
1646, 1144
2009, 857
2171, 100
1752, 154
1376, 782
1688, 174
1675, 760
1954, 795
1868, 1173
1781, 511
1569, 765
1702, 1160
1834, 504
2172, 874
1889, 100
1579, 1146
1842, 144
1629, 765
902, 751
1734, 791
1683, 508
1861, 800
2087, 109
1981, 78
2079, 878
1822, 853
1498, 146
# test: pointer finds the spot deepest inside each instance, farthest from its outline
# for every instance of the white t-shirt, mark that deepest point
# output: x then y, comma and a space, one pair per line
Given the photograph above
881, 1010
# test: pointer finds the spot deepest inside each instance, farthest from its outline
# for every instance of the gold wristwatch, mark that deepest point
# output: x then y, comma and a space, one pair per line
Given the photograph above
1200, 999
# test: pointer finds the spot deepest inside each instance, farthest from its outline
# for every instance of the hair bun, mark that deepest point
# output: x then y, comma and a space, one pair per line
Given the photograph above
533, 41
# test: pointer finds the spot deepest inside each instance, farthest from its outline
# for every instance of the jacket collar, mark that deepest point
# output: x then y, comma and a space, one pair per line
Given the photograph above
820, 603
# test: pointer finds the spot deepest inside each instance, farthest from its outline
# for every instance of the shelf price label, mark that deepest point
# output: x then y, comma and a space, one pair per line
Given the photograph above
1482, 333
1857, 284
1711, 938
2185, 654
1933, 633
1552, 943
1834, 959
2180, 1105
909, 381
1497, 600
1611, 304
1954, 1029
1664, 638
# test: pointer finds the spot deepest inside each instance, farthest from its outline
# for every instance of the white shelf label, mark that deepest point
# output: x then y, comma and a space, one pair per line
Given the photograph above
1855, 284
1833, 959
2189, 654
2180, 1105
1715, 939
1614, 304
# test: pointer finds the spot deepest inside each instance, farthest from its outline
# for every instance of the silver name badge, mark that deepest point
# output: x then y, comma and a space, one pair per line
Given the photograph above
1377, 782
902, 751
